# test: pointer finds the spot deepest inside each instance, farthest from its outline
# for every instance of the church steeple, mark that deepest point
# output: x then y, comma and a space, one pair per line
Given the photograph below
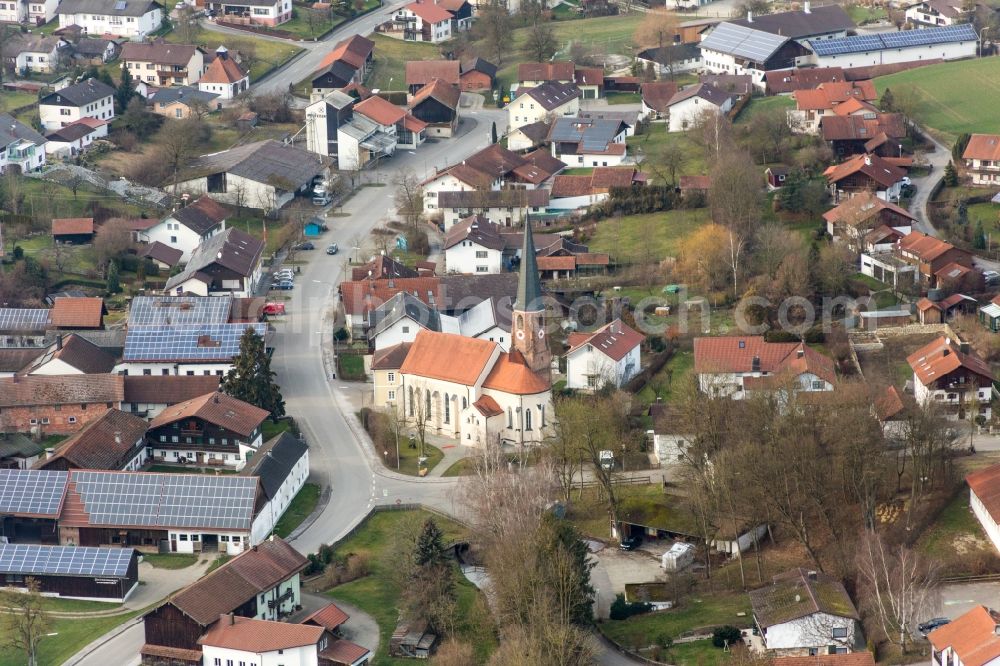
528, 321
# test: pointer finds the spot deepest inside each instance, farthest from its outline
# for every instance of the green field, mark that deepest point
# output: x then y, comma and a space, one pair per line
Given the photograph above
170, 560
698, 612
637, 238
861, 14
269, 54
298, 510
955, 529
759, 105
673, 377
65, 638
391, 56
987, 213
10, 100
657, 142
58, 605
952, 97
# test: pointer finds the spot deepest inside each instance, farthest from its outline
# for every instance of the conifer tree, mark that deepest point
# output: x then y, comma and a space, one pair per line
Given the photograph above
251, 378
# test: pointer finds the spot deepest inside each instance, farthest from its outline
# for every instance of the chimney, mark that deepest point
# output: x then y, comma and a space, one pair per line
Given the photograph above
755, 364
868, 160
215, 399
232, 618
806, 8
59, 341
749, 16
801, 352
964, 347
813, 575
49, 452
118, 437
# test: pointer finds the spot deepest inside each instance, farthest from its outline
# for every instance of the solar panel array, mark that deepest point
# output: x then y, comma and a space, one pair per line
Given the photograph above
193, 342
895, 40
167, 500
33, 492
179, 310
743, 42
30, 559
24, 319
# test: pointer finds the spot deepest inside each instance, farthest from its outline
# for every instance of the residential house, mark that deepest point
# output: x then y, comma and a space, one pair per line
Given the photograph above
935, 260
75, 138
73, 230
135, 19
528, 137
164, 257
656, 96
474, 246
262, 583
805, 613
228, 262
386, 363
731, 48
688, 106
805, 25
608, 356
573, 192
21, 147
828, 99
875, 133
95, 50
421, 72
436, 105
477, 75
114, 441
461, 13
547, 101
399, 319
853, 219
182, 102
19, 451
27, 52
982, 159
87, 99
163, 64
70, 355
969, 640
586, 142
787, 82
953, 42
984, 498
224, 76
420, 21
183, 349
214, 430
324, 118
186, 228
282, 465
938, 311
865, 173
671, 59
732, 366
235, 639
37, 12
269, 13
533, 74
350, 62
375, 130
950, 375
508, 208
56, 405
931, 13
382, 267
263, 174
148, 395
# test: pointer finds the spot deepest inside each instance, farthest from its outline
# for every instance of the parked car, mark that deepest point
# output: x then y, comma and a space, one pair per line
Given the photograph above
991, 277
321, 199
332, 248
283, 285
308, 245
905, 180
930, 625
630, 542
274, 309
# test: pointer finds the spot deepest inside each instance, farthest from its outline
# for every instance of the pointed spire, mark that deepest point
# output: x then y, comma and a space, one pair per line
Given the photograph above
529, 292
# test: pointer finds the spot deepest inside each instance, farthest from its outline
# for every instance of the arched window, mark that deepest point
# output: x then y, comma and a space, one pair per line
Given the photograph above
411, 401
541, 410
510, 418
465, 403
447, 408
520, 322
427, 405
527, 418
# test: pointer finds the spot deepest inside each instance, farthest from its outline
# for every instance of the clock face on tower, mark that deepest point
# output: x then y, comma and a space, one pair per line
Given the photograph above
520, 335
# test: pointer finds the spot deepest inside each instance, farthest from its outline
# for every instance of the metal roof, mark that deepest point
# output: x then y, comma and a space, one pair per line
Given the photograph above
894, 40
743, 42
36, 560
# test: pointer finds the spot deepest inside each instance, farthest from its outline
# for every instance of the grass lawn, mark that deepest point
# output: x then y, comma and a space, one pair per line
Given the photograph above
377, 593
10, 100
590, 515
300, 27
170, 560
408, 458
657, 142
624, 98
987, 213
66, 637
351, 367
955, 532
952, 97
269, 428
301, 506
696, 612
861, 14
218, 562
189, 469
270, 54
56, 605
391, 56
759, 105
462, 467
673, 376
578, 171
641, 238
46, 199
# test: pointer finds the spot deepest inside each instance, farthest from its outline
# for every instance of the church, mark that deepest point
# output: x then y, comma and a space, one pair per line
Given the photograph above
470, 389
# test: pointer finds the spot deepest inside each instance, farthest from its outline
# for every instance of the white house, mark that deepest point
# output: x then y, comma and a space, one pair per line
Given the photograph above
671, 59
687, 106
71, 355
35, 12
474, 246
505, 208
163, 64
984, 498
188, 227
269, 13
982, 159
402, 317
27, 52
134, 19
731, 366
731, 48
228, 262
951, 42
933, 13
969, 640
224, 76
547, 101
421, 21
87, 99
805, 613
75, 138
589, 142
608, 356
241, 640
182, 349
20, 146
282, 465
377, 128
950, 375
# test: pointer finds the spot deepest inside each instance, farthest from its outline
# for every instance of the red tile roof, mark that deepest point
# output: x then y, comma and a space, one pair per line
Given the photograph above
429, 11
940, 358
380, 110
344, 652
422, 72
251, 635
329, 617
448, 357
71, 312
888, 404
657, 95
36, 390
382, 266
167, 390
860, 658
973, 636
614, 340
985, 483
362, 296
68, 226
171, 653
884, 173
223, 70
354, 51
735, 354
982, 147
217, 408
556, 263
861, 208
511, 374
391, 358
828, 95
102, 444
546, 71
695, 182
925, 248
443, 92
487, 406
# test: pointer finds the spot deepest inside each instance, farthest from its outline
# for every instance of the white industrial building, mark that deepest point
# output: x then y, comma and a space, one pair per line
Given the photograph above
952, 42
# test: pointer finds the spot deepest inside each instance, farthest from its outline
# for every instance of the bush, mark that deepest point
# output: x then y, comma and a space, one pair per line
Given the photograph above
726, 636
622, 610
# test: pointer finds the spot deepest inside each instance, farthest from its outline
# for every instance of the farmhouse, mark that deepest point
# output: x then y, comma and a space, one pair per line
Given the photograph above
543, 102
114, 441
829, 99
282, 465
732, 366
56, 405
806, 612
865, 173
163, 64
224, 76
950, 375
744, 49
572, 192
420, 21
809, 23
672, 59
853, 219
148, 395
183, 349
510, 207
982, 159
687, 106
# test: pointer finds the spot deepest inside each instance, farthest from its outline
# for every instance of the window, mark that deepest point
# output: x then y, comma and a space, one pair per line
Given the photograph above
147, 371
510, 418
178, 113
480, 254
406, 329
391, 377
392, 395
224, 538
817, 385
183, 537
427, 405
45, 421
218, 661
447, 409
527, 419
840, 632
71, 419
63, 112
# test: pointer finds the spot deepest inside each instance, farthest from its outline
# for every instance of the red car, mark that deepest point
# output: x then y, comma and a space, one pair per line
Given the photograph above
274, 308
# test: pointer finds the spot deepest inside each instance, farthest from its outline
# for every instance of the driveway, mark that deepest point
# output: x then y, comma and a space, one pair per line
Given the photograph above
615, 568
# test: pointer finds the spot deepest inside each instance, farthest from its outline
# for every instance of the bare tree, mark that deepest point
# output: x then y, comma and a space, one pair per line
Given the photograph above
735, 193
112, 239
409, 197
186, 24
493, 28
179, 142
541, 43
25, 622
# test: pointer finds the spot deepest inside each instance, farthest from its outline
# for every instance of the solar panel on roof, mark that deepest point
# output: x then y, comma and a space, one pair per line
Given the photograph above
894, 40
31, 559
179, 310
120, 5
743, 42
24, 319
32, 492
195, 342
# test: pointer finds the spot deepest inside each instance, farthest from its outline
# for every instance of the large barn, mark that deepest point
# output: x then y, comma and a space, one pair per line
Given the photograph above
72, 572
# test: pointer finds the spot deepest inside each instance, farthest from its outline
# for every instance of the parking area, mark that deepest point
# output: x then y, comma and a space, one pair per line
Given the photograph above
615, 568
